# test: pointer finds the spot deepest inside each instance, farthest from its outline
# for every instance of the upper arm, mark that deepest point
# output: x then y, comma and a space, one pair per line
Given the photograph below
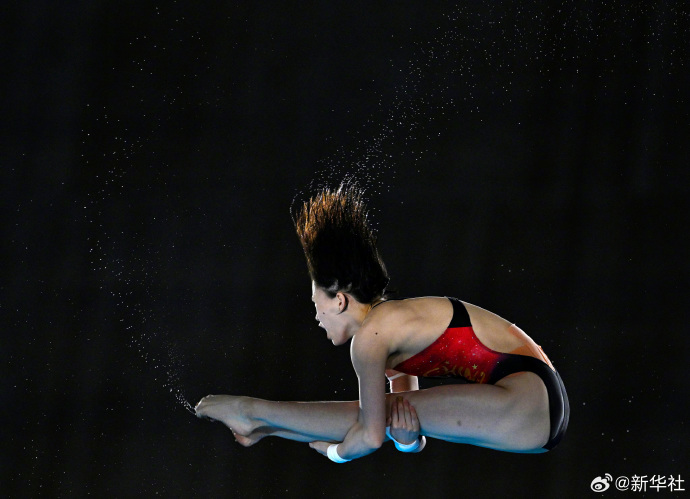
369, 352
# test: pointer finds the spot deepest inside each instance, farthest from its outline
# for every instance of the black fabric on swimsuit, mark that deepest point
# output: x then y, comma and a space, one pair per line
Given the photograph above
559, 407
460, 316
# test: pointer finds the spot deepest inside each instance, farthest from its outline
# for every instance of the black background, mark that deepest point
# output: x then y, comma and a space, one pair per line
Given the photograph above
530, 159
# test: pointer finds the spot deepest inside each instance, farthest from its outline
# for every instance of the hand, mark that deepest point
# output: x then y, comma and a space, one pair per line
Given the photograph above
321, 447
403, 421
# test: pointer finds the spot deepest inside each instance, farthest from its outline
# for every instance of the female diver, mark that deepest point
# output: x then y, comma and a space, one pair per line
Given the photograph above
515, 400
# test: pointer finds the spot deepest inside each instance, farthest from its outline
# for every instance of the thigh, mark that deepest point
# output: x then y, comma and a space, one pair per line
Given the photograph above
512, 415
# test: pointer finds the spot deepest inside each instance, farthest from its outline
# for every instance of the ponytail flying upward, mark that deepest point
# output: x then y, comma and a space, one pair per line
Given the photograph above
339, 245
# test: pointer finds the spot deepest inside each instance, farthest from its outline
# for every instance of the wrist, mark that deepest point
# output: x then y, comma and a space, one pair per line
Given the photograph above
408, 447
333, 455
411, 447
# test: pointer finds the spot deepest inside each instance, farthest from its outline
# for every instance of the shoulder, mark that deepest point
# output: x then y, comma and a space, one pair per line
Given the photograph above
386, 320
369, 344
389, 312
393, 322
398, 315
376, 337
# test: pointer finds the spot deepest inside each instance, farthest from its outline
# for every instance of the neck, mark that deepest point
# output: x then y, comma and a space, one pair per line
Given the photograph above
361, 311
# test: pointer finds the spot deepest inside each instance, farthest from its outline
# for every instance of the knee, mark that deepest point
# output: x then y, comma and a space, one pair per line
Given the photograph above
528, 423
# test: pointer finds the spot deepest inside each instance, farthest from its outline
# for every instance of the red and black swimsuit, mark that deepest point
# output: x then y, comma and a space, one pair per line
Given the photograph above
458, 353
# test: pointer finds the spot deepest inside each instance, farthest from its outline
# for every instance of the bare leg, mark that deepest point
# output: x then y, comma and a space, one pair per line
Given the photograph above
303, 421
270, 431
512, 415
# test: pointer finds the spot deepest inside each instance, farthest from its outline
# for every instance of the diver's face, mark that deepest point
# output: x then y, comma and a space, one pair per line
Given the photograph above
328, 314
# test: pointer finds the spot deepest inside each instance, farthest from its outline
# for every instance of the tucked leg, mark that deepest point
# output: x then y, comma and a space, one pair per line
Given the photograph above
512, 415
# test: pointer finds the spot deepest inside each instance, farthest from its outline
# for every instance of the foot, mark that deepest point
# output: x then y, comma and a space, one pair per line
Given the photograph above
253, 437
232, 412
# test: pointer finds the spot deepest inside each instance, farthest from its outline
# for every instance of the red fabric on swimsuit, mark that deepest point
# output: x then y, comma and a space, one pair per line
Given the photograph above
457, 353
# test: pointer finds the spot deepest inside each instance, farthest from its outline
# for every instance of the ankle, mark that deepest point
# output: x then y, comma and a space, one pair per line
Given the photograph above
250, 409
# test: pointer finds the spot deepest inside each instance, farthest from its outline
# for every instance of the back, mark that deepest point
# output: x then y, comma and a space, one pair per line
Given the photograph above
413, 325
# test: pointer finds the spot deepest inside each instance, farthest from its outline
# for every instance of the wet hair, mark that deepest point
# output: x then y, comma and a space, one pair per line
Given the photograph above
339, 244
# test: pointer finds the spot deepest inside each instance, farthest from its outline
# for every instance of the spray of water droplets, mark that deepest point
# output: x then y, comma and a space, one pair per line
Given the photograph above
479, 55
129, 264
139, 310
493, 54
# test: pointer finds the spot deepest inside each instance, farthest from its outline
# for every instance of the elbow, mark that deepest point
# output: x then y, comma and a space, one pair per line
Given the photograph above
374, 440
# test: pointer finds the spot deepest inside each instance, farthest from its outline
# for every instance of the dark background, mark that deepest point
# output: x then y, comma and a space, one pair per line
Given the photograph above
529, 159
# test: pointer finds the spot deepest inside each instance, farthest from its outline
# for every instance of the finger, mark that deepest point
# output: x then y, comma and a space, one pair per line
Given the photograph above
395, 418
400, 408
401, 412
408, 419
415, 418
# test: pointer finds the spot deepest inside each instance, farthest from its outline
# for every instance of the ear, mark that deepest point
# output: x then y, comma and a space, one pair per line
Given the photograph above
343, 302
